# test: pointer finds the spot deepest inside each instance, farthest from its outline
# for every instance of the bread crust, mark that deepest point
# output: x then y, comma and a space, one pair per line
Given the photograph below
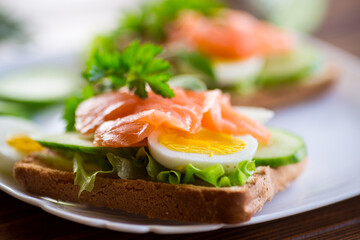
161, 200
288, 93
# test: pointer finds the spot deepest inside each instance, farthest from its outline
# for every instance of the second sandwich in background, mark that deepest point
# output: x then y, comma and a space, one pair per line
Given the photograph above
258, 63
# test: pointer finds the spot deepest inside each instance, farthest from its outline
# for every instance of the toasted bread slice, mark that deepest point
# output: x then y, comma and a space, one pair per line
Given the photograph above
161, 200
288, 93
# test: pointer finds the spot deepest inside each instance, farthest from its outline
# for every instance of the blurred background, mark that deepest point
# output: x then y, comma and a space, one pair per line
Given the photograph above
42, 54
45, 40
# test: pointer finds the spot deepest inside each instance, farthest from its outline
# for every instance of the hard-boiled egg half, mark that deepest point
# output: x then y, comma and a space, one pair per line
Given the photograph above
230, 73
175, 149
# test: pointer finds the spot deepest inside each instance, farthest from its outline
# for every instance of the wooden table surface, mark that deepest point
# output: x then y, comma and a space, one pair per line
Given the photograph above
19, 220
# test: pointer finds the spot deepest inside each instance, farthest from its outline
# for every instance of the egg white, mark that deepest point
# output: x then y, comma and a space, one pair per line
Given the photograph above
231, 72
10, 126
179, 160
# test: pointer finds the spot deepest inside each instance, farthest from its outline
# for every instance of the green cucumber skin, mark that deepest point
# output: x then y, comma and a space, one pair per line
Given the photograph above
88, 150
297, 156
278, 162
75, 148
269, 79
290, 157
14, 109
69, 141
70, 80
34, 103
60, 142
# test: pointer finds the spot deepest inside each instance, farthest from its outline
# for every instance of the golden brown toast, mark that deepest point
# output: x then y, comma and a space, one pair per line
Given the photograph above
273, 97
161, 200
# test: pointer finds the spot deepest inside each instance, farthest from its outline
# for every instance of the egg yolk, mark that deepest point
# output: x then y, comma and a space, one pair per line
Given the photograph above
203, 142
23, 144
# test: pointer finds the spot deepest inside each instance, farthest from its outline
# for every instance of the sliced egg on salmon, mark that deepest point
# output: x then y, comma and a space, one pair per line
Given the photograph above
229, 73
175, 149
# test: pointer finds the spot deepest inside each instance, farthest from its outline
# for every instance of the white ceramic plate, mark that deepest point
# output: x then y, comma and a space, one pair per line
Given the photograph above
331, 129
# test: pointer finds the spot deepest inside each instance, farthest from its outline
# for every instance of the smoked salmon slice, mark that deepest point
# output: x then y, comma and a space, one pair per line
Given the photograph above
229, 35
104, 107
121, 119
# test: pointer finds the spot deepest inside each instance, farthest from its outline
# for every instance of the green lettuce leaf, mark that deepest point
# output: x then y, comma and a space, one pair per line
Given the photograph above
211, 174
190, 173
237, 178
72, 103
126, 169
141, 165
224, 182
247, 167
141, 158
55, 160
171, 176
215, 175
153, 168
84, 178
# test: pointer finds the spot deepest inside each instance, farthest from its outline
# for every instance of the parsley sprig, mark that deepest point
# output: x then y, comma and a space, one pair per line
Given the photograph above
135, 67
154, 16
107, 70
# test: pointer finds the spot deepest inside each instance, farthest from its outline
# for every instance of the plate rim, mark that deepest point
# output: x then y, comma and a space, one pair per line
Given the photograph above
50, 207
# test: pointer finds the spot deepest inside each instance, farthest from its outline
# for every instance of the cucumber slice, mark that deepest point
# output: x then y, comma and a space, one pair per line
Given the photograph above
187, 82
68, 141
14, 109
301, 16
73, 141
261, 115
38, 86
239, 72
284, 148
290, 67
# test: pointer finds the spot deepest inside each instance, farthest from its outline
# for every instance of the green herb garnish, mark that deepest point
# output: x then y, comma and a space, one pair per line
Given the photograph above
198, 63
148, 23
108, 70
151, 21
72, 103
135, 67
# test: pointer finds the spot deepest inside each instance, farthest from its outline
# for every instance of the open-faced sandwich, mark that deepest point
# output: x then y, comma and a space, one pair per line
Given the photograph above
169, 153
258, 63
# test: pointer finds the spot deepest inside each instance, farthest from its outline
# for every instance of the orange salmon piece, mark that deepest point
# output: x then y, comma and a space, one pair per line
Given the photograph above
229, 35
130, 122
91, 113
222, 117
